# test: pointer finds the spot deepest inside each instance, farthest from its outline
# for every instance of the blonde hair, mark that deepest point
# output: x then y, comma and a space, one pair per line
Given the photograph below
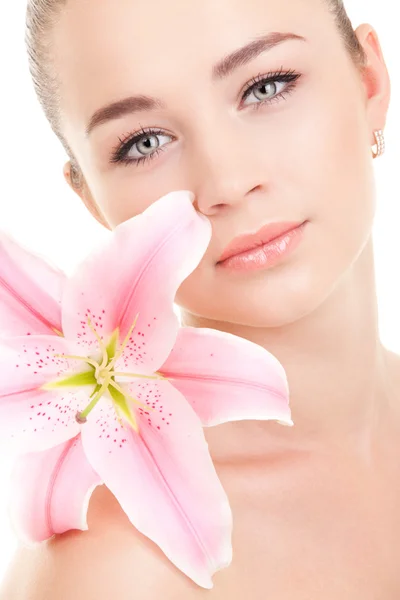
41, 17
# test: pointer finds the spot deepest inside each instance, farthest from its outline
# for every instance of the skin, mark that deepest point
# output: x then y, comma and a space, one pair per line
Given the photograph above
304, 157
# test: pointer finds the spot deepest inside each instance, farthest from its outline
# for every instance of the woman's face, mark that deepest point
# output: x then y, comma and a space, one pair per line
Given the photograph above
287, 151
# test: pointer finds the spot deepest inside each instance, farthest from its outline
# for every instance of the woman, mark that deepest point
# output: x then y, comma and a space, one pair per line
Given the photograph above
315, 506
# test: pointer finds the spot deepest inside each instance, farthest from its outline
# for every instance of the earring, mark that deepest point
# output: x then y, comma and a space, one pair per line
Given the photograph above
380, 143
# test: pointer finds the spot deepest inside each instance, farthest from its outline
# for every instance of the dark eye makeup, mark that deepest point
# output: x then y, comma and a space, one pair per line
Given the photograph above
120, 152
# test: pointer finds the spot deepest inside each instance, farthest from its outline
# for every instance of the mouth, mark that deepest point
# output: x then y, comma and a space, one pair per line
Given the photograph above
266, 234
267, 255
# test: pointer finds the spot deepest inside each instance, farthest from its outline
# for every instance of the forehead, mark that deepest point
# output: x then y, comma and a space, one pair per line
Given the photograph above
105, 50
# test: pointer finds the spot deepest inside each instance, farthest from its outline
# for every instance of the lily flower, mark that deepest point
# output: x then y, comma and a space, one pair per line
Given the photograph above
104, 387
30, 291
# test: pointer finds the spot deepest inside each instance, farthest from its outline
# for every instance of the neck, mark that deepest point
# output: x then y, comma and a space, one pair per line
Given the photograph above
338, 371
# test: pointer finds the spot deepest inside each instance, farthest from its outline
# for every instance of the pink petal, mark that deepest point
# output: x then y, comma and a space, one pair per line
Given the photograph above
32, 419
227, 378
164, 478
50, 491
138, 271
30, 291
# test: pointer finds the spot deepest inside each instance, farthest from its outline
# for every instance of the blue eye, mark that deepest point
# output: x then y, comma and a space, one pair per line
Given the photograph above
146, 137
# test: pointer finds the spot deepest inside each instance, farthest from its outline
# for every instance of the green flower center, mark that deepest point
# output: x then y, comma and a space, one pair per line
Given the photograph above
102, 376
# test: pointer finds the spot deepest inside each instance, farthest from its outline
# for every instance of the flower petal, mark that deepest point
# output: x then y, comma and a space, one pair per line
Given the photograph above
164, 478
30, 361
50, 491
227, 378
138, 271
34, 419
30, 291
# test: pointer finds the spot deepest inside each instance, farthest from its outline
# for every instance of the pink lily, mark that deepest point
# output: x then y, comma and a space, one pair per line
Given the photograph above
30, 291
115, 392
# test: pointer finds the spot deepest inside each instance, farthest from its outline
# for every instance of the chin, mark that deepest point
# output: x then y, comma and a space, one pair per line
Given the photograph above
266, 299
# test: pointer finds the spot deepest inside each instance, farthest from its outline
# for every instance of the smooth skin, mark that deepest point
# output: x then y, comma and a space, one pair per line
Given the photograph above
316, 506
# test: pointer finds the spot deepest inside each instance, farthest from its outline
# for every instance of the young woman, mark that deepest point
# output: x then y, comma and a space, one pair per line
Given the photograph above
269, 112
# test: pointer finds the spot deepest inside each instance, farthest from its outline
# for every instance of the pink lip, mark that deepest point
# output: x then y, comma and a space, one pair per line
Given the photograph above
267, 255
266, 234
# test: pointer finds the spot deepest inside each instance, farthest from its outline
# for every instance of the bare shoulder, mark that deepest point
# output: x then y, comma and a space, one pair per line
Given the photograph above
110, 560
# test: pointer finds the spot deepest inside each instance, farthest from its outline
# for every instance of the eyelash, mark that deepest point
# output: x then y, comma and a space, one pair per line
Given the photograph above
120, 152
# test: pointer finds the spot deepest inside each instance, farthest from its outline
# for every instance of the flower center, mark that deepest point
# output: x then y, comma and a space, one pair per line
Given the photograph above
103, 378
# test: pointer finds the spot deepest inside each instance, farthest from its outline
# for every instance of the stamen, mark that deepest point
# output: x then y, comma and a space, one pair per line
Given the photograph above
117, 387
126, 340
136, 375
101, 344
105, 371
84, 358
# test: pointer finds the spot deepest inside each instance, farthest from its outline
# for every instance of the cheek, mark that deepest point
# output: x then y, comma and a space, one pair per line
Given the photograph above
335, 174
118, 194
347, 205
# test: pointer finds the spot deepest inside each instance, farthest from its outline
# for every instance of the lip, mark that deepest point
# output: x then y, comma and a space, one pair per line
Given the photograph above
266, 234
267, 255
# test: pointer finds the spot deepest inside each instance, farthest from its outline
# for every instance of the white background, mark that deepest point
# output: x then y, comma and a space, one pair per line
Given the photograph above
38, 209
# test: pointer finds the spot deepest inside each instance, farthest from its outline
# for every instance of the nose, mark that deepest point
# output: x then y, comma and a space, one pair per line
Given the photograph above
224, 171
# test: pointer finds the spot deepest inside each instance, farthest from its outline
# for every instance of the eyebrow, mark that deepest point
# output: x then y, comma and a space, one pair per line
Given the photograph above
221, 70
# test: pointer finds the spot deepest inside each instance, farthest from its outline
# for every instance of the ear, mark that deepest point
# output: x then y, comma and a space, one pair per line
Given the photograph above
376, 78
78, 185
